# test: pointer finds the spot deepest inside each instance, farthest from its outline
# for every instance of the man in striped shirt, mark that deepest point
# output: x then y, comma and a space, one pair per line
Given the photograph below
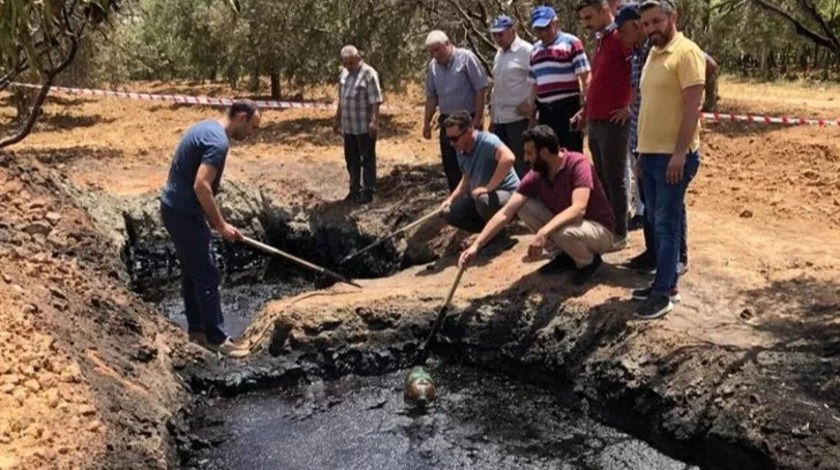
559, 71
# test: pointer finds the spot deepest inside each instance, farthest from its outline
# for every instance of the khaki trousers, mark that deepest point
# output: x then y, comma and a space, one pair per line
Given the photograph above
581, 241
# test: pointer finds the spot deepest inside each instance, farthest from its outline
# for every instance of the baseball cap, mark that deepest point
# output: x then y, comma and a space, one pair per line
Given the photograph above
627, 12
501, 23
542, 16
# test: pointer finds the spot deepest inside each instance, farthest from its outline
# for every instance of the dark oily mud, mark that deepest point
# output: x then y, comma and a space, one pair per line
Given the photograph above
480, 421
328, 234
240, 303
721, 407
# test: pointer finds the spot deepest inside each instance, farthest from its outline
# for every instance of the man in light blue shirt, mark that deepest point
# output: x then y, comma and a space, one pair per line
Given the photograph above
488, 179
510, 107
455, 80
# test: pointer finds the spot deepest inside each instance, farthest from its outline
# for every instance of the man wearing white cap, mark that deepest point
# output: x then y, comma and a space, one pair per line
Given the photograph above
510, 104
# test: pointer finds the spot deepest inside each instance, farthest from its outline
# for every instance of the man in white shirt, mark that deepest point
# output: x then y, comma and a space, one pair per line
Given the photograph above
509, 102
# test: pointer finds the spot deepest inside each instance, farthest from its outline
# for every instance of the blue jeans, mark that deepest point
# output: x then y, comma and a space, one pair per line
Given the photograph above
199, 275
665, 209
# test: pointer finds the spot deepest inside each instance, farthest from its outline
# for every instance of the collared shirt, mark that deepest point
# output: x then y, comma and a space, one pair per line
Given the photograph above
637, 62
610, 86
668, 71
455, 84
511, 87
357, 91
554, 68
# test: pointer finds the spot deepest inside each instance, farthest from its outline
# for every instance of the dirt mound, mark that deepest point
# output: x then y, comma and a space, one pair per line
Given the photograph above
86, 377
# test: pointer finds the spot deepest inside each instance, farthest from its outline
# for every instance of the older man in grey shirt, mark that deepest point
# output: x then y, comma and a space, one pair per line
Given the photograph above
455, 81
510, 107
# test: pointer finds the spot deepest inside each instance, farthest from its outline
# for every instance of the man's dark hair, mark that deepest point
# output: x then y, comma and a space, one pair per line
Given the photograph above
666, 6
462, 119
596, 4
543, 137
246, 106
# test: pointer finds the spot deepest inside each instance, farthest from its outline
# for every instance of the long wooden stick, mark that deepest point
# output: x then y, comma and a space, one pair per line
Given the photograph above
423, 353
307, 264
390, 236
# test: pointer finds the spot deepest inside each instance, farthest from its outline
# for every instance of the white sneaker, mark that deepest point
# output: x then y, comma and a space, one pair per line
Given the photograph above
229, 348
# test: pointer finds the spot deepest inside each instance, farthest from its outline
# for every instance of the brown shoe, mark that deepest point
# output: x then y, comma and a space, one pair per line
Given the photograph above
198, 338
229, 348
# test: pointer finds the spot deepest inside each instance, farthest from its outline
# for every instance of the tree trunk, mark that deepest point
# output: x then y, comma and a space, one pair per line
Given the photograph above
275, 85
711, 98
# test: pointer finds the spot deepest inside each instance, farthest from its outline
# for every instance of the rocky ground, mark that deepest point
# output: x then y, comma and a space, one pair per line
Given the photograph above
741, 375
86, 368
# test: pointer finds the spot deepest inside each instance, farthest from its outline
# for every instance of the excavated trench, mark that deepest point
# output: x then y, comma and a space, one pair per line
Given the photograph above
331, 406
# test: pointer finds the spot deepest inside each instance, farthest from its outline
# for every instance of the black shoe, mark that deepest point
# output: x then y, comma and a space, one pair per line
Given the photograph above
584, 274
352, 196
637, 222
560, 263
643, 262
366, 197
643, 294
654, 307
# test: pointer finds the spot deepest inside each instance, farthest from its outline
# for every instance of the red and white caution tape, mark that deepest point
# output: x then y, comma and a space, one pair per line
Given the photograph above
274, 104
789, 121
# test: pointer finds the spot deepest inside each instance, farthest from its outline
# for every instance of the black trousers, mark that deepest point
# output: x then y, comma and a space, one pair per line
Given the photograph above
360, 155
511, 134
558, 115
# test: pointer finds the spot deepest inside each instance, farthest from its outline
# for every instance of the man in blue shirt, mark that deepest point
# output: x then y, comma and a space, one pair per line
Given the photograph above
488, 179
187, 206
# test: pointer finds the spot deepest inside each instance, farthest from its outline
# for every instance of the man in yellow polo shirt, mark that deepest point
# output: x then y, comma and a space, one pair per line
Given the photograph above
669, 141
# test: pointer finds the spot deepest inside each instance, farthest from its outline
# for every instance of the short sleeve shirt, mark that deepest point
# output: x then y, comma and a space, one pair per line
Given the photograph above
480, 164
455, 84
555, 67
357, 91
511, 87
668, 71
577, 172
205, 142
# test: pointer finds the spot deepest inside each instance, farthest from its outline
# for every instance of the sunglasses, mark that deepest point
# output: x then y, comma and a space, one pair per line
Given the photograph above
456, 138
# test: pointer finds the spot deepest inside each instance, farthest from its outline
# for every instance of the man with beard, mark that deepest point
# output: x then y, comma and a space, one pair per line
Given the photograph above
455, 80
563, 202
672, 85
629, 22
187, 205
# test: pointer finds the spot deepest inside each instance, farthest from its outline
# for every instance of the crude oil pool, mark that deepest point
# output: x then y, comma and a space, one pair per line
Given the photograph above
480, 420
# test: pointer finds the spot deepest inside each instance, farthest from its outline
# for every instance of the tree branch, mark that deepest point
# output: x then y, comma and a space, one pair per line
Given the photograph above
49, 76
811, 9
799, 27
476, 32
7, 79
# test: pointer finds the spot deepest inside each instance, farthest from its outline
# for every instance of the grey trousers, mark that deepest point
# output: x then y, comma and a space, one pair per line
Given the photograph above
472, 214
608, 144
360, 155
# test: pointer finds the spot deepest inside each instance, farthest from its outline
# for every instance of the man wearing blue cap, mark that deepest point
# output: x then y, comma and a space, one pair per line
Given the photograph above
559, 72
510, 106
